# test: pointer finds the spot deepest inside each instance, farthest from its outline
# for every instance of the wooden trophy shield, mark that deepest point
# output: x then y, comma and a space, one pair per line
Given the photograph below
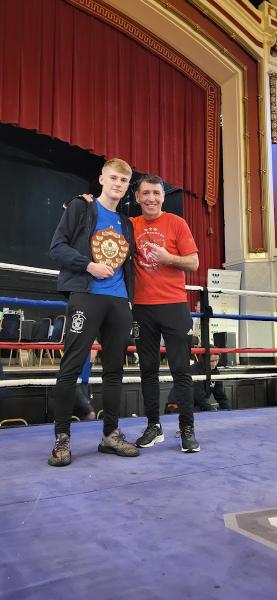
109, 247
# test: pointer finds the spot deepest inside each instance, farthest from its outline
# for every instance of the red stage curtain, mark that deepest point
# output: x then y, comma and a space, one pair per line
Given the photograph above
71, 76
208, 230
68, 75
211, 246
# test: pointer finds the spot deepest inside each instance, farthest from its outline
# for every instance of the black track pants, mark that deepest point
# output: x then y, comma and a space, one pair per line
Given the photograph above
89, 314
174, 322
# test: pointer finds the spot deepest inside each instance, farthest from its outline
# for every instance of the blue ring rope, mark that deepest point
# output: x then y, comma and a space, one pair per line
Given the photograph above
235, 317
60, 304
25, 302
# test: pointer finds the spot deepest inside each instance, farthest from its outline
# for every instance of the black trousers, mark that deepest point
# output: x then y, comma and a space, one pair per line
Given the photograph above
174, 322
89, 314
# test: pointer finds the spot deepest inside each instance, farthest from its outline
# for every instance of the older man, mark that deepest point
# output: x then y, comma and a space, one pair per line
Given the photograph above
165, 250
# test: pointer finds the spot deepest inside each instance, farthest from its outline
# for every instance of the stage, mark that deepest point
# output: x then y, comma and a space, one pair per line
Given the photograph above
256, 388
150, 527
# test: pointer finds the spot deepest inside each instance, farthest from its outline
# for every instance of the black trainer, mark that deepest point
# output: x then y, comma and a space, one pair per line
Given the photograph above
61, 455
153, 434
188, 441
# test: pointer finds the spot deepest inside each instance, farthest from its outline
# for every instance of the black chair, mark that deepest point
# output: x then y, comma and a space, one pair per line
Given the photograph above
37, 333
41, 329
27, 326
10, 329
27, 330
56, 337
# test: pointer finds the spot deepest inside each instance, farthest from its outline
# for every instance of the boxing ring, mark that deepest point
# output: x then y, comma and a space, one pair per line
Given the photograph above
163, 525
205, 315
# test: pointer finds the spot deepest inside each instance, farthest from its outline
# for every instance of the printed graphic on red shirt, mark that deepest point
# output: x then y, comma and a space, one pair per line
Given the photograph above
144, 241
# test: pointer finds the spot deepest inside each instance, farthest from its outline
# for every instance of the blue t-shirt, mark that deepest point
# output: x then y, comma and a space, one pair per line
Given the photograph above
115, 285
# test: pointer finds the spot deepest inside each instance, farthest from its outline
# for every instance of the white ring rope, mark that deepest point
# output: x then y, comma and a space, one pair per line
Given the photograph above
134, 379
195, 288
25, 269
228, 291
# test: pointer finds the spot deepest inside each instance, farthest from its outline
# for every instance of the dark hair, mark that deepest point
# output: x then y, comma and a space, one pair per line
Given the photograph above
214, 353
149, 179
202, 356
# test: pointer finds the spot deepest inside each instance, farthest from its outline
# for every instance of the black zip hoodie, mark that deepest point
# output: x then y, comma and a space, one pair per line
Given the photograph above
70, 247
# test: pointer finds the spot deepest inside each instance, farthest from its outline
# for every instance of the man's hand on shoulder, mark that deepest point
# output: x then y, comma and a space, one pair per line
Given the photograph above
88, 197
100, 270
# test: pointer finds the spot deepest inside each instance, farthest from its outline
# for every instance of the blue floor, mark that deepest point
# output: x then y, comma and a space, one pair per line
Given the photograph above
146, 528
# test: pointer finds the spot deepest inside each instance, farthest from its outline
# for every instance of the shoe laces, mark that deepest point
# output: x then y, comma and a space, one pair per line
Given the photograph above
150, 427
186, 431
62, 443
119, 436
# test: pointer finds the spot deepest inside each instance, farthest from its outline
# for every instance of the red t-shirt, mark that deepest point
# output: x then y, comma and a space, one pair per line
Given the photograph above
160, 284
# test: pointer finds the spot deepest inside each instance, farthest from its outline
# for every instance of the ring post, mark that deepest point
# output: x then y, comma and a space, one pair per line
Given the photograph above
205, 335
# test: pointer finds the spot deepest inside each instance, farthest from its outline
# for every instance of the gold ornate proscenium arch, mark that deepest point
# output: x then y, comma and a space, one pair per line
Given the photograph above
273, 106
165, 52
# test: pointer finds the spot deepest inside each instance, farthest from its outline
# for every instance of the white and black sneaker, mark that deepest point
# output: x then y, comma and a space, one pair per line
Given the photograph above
153, 434
188, 441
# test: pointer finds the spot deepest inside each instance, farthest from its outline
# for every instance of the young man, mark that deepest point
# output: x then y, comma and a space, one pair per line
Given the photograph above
165, 249
93, 247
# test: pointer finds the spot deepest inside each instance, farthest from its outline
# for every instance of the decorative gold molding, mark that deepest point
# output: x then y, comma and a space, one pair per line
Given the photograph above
263, 161
250, 11
272, 11
262, 172
212, 147
152, 43
273, 106
235, 22
273, 50
247, 167
212, 16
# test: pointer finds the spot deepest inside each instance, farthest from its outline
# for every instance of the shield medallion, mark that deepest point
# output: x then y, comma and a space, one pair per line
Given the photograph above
109, 247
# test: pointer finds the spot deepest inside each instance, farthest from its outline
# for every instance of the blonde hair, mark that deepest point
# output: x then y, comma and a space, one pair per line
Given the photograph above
119, 165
